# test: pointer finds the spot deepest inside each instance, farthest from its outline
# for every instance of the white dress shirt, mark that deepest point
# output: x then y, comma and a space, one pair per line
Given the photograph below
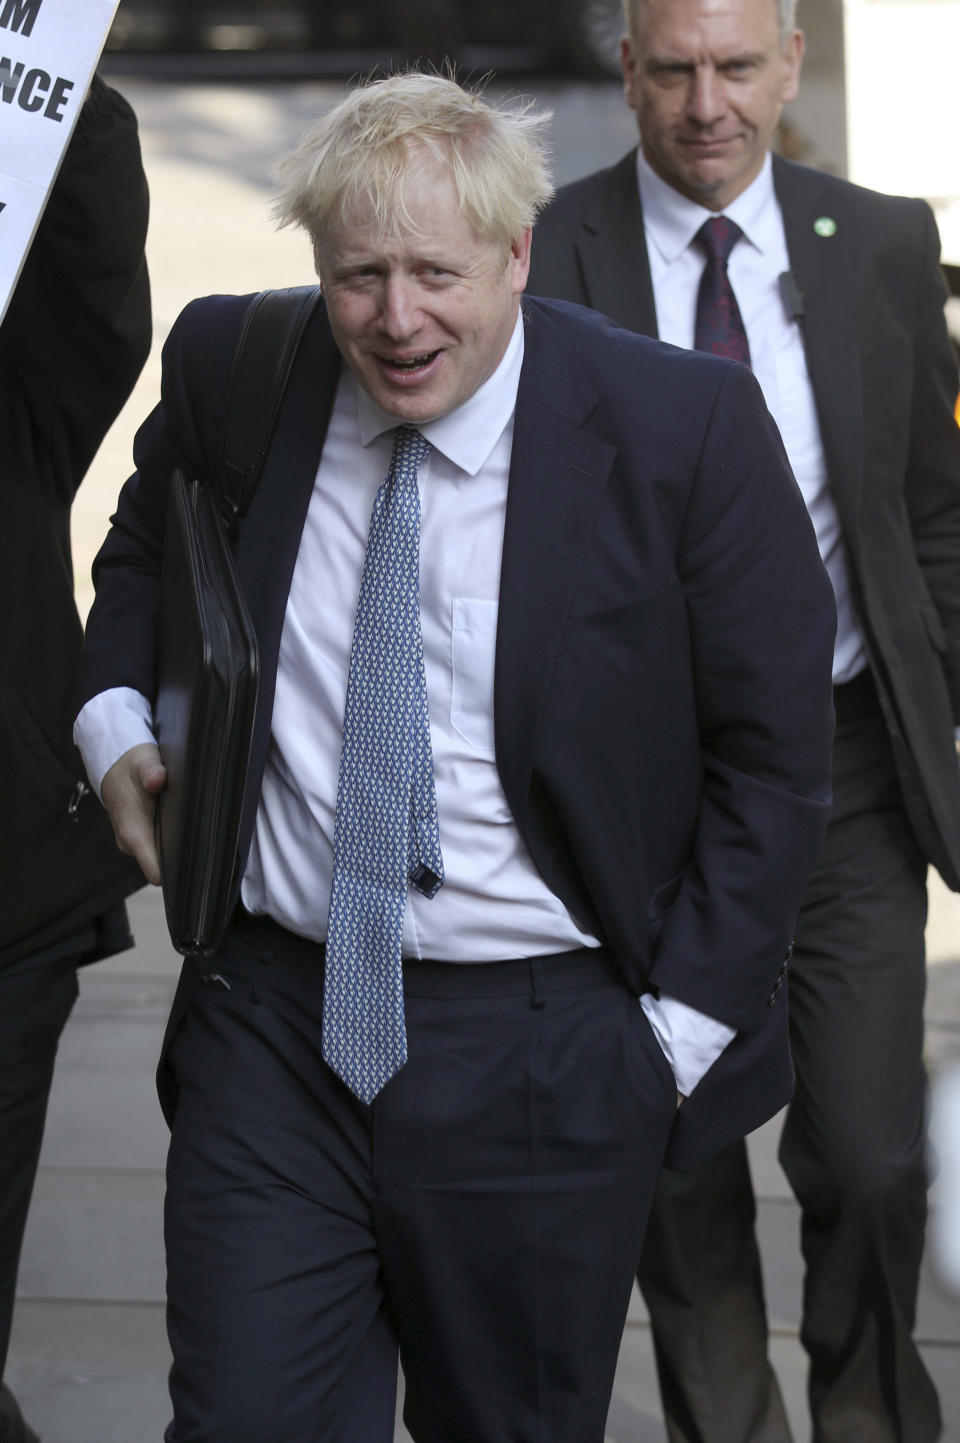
776, 349
493, 903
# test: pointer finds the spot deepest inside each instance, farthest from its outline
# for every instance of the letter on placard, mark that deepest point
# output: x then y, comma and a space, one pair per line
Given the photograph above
19, 15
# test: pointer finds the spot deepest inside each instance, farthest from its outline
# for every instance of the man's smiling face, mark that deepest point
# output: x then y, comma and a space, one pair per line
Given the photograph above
424, 317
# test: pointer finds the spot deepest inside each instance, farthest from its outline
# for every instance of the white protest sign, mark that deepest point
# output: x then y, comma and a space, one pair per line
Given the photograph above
48, 52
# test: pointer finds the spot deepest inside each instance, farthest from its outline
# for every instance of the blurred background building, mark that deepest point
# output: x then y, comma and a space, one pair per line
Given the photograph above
334, 37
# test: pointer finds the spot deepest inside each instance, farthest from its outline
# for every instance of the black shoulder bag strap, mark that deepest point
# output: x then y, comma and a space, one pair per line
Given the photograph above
272, 329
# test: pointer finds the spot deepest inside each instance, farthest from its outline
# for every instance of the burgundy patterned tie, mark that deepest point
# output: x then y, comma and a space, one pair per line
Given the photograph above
719, 326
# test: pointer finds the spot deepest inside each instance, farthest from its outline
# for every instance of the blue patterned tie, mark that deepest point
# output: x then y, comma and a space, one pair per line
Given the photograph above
719, 325
385, 833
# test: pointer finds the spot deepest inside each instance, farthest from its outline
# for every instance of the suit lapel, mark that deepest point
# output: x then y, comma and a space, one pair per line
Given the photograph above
824, 268
269, 539
558, 476
612, 251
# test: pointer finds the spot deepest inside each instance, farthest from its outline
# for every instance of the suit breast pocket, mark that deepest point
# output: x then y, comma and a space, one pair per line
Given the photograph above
474, 642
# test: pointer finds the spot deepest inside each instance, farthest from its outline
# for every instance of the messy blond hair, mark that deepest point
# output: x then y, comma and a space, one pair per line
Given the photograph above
361, 152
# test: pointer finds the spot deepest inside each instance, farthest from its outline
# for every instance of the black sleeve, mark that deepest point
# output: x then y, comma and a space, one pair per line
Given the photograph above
932, 478
77, 330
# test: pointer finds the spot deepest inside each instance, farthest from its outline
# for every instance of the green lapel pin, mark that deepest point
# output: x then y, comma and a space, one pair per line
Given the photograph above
825, 226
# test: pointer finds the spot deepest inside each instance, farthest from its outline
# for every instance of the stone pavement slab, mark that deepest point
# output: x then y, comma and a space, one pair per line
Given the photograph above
91, 1373
96, 1236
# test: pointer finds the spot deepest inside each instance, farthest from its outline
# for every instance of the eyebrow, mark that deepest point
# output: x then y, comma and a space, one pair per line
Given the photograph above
676, 62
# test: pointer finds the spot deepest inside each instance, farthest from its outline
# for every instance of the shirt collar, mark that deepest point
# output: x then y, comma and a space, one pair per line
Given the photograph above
467, 435
671, 220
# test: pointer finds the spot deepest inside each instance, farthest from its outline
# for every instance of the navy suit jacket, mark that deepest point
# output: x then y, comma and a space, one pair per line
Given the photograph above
662, 704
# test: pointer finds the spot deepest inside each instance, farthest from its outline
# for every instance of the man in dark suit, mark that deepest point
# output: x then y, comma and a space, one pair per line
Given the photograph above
72, 342
573, 756
833, 294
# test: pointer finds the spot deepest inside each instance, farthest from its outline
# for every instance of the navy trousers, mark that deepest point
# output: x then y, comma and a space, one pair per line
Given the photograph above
483, 1217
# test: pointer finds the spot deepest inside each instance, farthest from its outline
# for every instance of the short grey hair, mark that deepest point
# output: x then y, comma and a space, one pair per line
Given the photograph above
786, 17
362, 150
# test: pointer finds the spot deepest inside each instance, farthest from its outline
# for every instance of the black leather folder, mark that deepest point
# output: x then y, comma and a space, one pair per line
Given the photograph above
203, 715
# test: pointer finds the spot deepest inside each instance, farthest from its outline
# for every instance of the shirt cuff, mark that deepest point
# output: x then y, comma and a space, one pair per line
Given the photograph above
110, 724
690, 1040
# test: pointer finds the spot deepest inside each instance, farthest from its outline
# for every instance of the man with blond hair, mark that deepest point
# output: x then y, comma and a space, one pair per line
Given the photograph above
538, 774
833, 295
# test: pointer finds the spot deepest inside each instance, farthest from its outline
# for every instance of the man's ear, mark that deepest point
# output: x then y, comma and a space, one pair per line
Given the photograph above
628, 65
793, 53
519, 259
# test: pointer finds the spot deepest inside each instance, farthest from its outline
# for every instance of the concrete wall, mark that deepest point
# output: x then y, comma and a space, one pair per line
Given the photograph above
879, 102
819, 116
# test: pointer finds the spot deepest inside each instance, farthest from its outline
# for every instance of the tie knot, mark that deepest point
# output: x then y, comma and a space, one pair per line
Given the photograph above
718, 236
409, 448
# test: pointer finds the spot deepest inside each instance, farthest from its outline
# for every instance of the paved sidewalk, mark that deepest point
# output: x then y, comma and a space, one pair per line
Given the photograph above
88, 1356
